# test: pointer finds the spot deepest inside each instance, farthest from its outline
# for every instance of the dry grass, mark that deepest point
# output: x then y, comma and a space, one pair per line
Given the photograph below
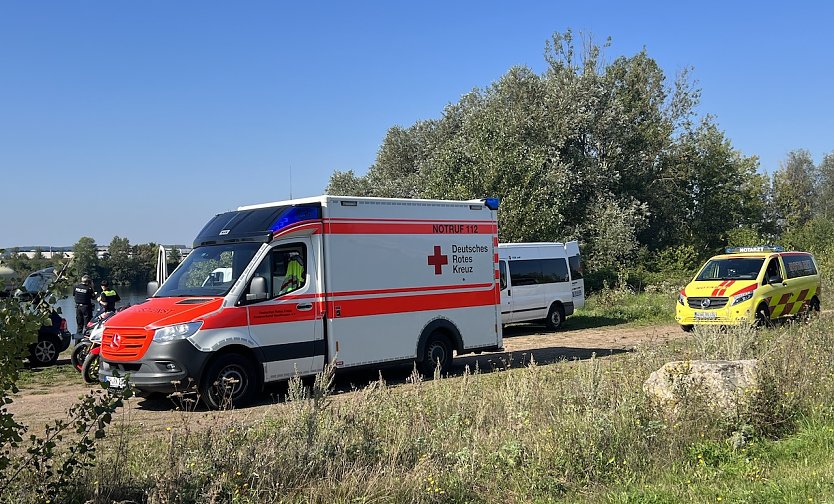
537, 433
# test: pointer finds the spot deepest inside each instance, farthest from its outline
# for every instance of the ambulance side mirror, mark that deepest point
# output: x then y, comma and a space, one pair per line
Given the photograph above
257, 289
153, 286
774, 279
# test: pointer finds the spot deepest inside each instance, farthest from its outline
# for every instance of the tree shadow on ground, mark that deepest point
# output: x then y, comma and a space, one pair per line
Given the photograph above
576, 323
347, 381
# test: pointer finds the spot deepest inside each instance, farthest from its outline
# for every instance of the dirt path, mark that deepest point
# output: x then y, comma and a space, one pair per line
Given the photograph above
39, 404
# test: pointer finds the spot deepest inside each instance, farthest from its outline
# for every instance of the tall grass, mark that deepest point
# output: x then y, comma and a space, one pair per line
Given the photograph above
540, 433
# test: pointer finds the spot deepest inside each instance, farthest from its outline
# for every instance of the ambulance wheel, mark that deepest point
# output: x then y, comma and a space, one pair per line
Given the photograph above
555, 317
687, 327
763, 317
229, 382
438, 352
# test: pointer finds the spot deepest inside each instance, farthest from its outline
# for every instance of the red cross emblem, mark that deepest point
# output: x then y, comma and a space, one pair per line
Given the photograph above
438, 260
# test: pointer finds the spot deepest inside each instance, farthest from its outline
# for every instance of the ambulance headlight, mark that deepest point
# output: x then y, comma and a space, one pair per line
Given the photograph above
176, 332
681, 299
742, 298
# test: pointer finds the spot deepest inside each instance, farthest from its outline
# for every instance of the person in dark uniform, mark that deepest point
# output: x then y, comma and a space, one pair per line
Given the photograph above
84, 295
108, 297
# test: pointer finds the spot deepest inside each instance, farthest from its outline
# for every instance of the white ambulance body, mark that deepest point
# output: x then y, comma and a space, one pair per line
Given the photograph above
540, 281
353, 281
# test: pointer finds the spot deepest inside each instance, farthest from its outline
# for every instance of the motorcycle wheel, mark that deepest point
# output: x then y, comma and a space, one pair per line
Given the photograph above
89, 370
79, 353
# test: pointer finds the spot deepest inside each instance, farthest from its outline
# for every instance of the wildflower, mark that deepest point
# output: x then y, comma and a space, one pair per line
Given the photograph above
167, 428
718, 498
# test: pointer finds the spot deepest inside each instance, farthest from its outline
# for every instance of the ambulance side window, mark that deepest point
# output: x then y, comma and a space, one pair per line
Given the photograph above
502, 268
283, 269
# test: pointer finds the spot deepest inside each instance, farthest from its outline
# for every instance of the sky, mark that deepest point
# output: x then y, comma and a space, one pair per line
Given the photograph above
145, 119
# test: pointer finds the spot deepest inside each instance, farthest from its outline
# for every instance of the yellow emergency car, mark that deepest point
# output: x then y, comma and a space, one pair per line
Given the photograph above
750, 285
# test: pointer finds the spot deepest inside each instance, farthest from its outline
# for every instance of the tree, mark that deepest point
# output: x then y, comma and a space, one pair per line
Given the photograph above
711, 191
145, 257
119, 263
795, 190
565, 150
825, 187
85, 257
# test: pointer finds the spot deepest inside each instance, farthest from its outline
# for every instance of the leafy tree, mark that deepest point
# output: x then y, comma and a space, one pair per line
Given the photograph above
712, 190
145, 256
795, 190
825, 187
119, 263
587, 150
47, 462
85, 257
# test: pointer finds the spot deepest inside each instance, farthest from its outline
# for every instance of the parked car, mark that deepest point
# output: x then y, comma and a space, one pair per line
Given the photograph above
53, 338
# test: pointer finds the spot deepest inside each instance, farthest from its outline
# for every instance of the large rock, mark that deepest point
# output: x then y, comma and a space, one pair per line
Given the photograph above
723, 386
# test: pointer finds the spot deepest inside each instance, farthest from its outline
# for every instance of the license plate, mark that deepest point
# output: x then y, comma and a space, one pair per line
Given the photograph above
116, 382
705, 315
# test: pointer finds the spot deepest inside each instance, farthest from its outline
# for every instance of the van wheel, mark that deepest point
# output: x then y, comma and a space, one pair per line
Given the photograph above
810, 311
555, 317
438, 352
687, 327
229, 382
763, 317
44, 352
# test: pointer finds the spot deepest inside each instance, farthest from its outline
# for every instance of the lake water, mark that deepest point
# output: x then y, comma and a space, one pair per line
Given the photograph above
130, 294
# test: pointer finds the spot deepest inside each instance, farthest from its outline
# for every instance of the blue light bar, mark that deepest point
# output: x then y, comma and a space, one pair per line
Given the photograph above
492, 203
758, 248
294, 215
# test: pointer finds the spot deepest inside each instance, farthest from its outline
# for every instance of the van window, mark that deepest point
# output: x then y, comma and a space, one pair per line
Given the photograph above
554, 270
575, 267
772, 270
799, 265
525, 272
502, 268
538, 271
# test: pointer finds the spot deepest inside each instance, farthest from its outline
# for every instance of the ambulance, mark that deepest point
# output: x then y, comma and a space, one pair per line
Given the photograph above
750, 286
357, 282
540, 282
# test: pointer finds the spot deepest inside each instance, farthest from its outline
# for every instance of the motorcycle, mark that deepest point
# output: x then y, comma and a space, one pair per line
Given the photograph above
85, 355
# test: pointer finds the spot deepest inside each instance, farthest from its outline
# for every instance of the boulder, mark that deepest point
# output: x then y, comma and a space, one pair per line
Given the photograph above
724, 386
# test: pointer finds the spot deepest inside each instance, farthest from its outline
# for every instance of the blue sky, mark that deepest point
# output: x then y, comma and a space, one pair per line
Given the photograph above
144, 119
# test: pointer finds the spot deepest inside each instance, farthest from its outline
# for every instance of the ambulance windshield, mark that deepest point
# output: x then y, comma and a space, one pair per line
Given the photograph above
210, 270
734, 268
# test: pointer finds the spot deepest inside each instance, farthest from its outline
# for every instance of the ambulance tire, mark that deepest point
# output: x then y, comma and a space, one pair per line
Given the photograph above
230, 381
555, 317
763, 316
687, 327
437, 352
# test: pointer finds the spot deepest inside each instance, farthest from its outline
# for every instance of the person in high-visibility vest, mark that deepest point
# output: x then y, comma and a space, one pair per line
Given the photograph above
294, 278
108, 297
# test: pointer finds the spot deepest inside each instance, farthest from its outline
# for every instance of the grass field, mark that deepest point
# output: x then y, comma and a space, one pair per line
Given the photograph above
581, 431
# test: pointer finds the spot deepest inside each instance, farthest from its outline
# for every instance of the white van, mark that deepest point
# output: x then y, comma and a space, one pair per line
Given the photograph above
540, 281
